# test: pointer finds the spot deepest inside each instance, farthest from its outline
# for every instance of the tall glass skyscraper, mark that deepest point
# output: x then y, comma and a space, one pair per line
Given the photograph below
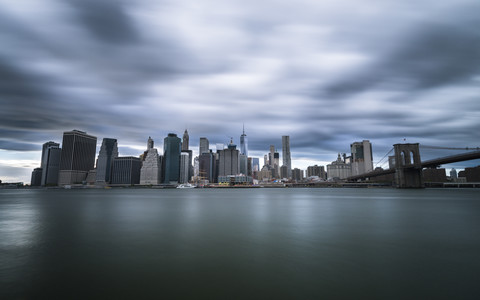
287, 159
78, 156
172, 147
108, 152
204, 145
244, 143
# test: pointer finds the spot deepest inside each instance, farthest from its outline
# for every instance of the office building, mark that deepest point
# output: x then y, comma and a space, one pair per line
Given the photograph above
255, 164
362, 161
287, 159
126, 170
184, 167
51, 164
228, 161
243, 164
316, 171
151, 170
339, 169
244, 143
185, 141
172, 146
207, 167
204, 146
283, 172
108, 151
297, 174
77, 157
36, 179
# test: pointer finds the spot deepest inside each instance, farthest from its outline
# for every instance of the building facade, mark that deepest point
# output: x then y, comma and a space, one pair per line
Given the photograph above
362, 160
77, 158
126, 170
229, 161
172, 146
51, 165
339, 169
108, 151
286, 156
185, 140
204, 146
151, 170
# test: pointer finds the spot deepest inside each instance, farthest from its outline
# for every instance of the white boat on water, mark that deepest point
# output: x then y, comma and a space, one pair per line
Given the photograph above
186, 186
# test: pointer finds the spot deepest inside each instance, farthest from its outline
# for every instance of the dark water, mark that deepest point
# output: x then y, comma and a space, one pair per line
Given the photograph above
255, 243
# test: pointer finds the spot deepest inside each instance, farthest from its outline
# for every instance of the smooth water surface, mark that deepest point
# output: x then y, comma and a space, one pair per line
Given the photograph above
240, 243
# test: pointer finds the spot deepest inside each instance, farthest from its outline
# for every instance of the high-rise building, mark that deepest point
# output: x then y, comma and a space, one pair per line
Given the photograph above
185, 141
207, 165
297, 174
283, 172
77, 158
287, 159
172, 146
270, 156
255, 164
36, 179
126, 170
108, 151
362, 161
204, 146
243, 164
316, 171
51, 164
453, 174
228, 160
151, 170
276, 163
244, 144
44, 149
184, 167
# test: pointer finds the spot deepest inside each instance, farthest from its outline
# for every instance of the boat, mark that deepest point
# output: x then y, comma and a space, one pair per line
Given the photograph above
186, 186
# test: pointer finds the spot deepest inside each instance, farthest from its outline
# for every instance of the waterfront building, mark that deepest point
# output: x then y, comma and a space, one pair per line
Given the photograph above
184, 167
172, 146
36, 179
235, 179
228, 160
283, 172
207, 166
108, 151
185, 141
51, 154
249, 166
276, 164
472, 174
204, 146
434, 175
151, 170
77, 157
255, 164
286, 156
126, 170
243, 164
297, 174
362, 160
316, 171
339, 169
244, 143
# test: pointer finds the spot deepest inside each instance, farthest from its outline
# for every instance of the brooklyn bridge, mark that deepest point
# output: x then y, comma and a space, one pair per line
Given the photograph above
407, 167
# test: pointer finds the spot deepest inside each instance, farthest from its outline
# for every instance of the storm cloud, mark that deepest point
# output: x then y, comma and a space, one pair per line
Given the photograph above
326, 73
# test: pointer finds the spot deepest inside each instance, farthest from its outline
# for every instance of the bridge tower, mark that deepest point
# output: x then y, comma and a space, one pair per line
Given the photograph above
408, 166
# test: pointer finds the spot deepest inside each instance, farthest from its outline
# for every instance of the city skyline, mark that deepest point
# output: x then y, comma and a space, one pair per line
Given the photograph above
324, 75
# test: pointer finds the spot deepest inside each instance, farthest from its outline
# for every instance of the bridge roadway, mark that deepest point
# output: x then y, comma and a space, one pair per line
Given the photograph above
432, 163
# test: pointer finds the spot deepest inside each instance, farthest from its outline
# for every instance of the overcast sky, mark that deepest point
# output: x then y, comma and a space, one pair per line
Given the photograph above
327, 73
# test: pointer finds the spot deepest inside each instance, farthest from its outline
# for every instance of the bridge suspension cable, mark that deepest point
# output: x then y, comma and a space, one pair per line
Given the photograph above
383, 158
449, 148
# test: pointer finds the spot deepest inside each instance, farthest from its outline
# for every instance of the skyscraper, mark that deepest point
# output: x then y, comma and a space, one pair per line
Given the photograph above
228, 161
126, 170
108, 151
77, 158
185, 141
244, 143
51, 164
184, 167
287, 160
204, 146
172, 146
151, 170
362, 161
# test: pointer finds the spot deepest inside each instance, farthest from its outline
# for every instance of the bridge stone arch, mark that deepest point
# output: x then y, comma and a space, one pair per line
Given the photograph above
408, 166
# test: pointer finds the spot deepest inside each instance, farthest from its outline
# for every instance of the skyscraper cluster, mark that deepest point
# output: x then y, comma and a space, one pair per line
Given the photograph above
74, 163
